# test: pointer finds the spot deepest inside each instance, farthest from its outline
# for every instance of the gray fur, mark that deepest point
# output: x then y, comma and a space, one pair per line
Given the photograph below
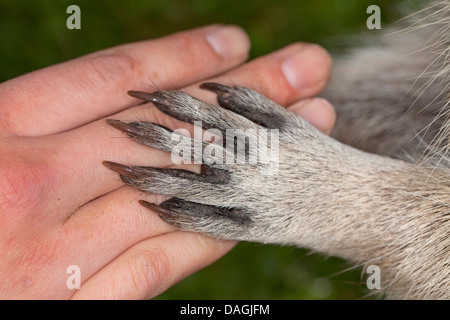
338, 198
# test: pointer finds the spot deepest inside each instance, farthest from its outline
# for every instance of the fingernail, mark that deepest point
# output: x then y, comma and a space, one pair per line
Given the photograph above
229, 41
306, 67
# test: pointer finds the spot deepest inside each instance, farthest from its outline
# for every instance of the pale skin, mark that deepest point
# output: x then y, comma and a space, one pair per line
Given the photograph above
59, 206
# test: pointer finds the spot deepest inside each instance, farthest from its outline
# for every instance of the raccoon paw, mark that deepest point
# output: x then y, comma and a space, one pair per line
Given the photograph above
237, 195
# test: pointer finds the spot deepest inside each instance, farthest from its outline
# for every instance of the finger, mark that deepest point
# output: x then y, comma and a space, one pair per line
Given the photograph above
152, 266
70, 94
89, 240
295, 72
108, 226
118, 222
317, 111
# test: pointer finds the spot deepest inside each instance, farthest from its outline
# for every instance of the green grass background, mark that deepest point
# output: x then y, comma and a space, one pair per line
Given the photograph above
33, 35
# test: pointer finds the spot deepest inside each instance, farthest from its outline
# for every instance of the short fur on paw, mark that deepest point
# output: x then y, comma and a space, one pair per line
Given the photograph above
246, 185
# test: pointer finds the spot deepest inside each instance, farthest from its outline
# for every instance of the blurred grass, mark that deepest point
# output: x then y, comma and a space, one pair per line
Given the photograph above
33, 35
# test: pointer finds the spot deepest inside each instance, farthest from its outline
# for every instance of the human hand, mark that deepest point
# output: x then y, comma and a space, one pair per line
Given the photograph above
60, 207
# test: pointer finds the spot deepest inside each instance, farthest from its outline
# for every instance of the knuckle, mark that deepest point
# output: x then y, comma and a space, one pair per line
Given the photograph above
149, 270
109, 69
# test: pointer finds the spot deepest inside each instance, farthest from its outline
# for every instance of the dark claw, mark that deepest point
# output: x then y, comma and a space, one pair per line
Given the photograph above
177, 211
125, 127
228, 98
215, 87
166, 214
154, 207
157, 98
163, 103
143, 95
212, 175
124, 171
